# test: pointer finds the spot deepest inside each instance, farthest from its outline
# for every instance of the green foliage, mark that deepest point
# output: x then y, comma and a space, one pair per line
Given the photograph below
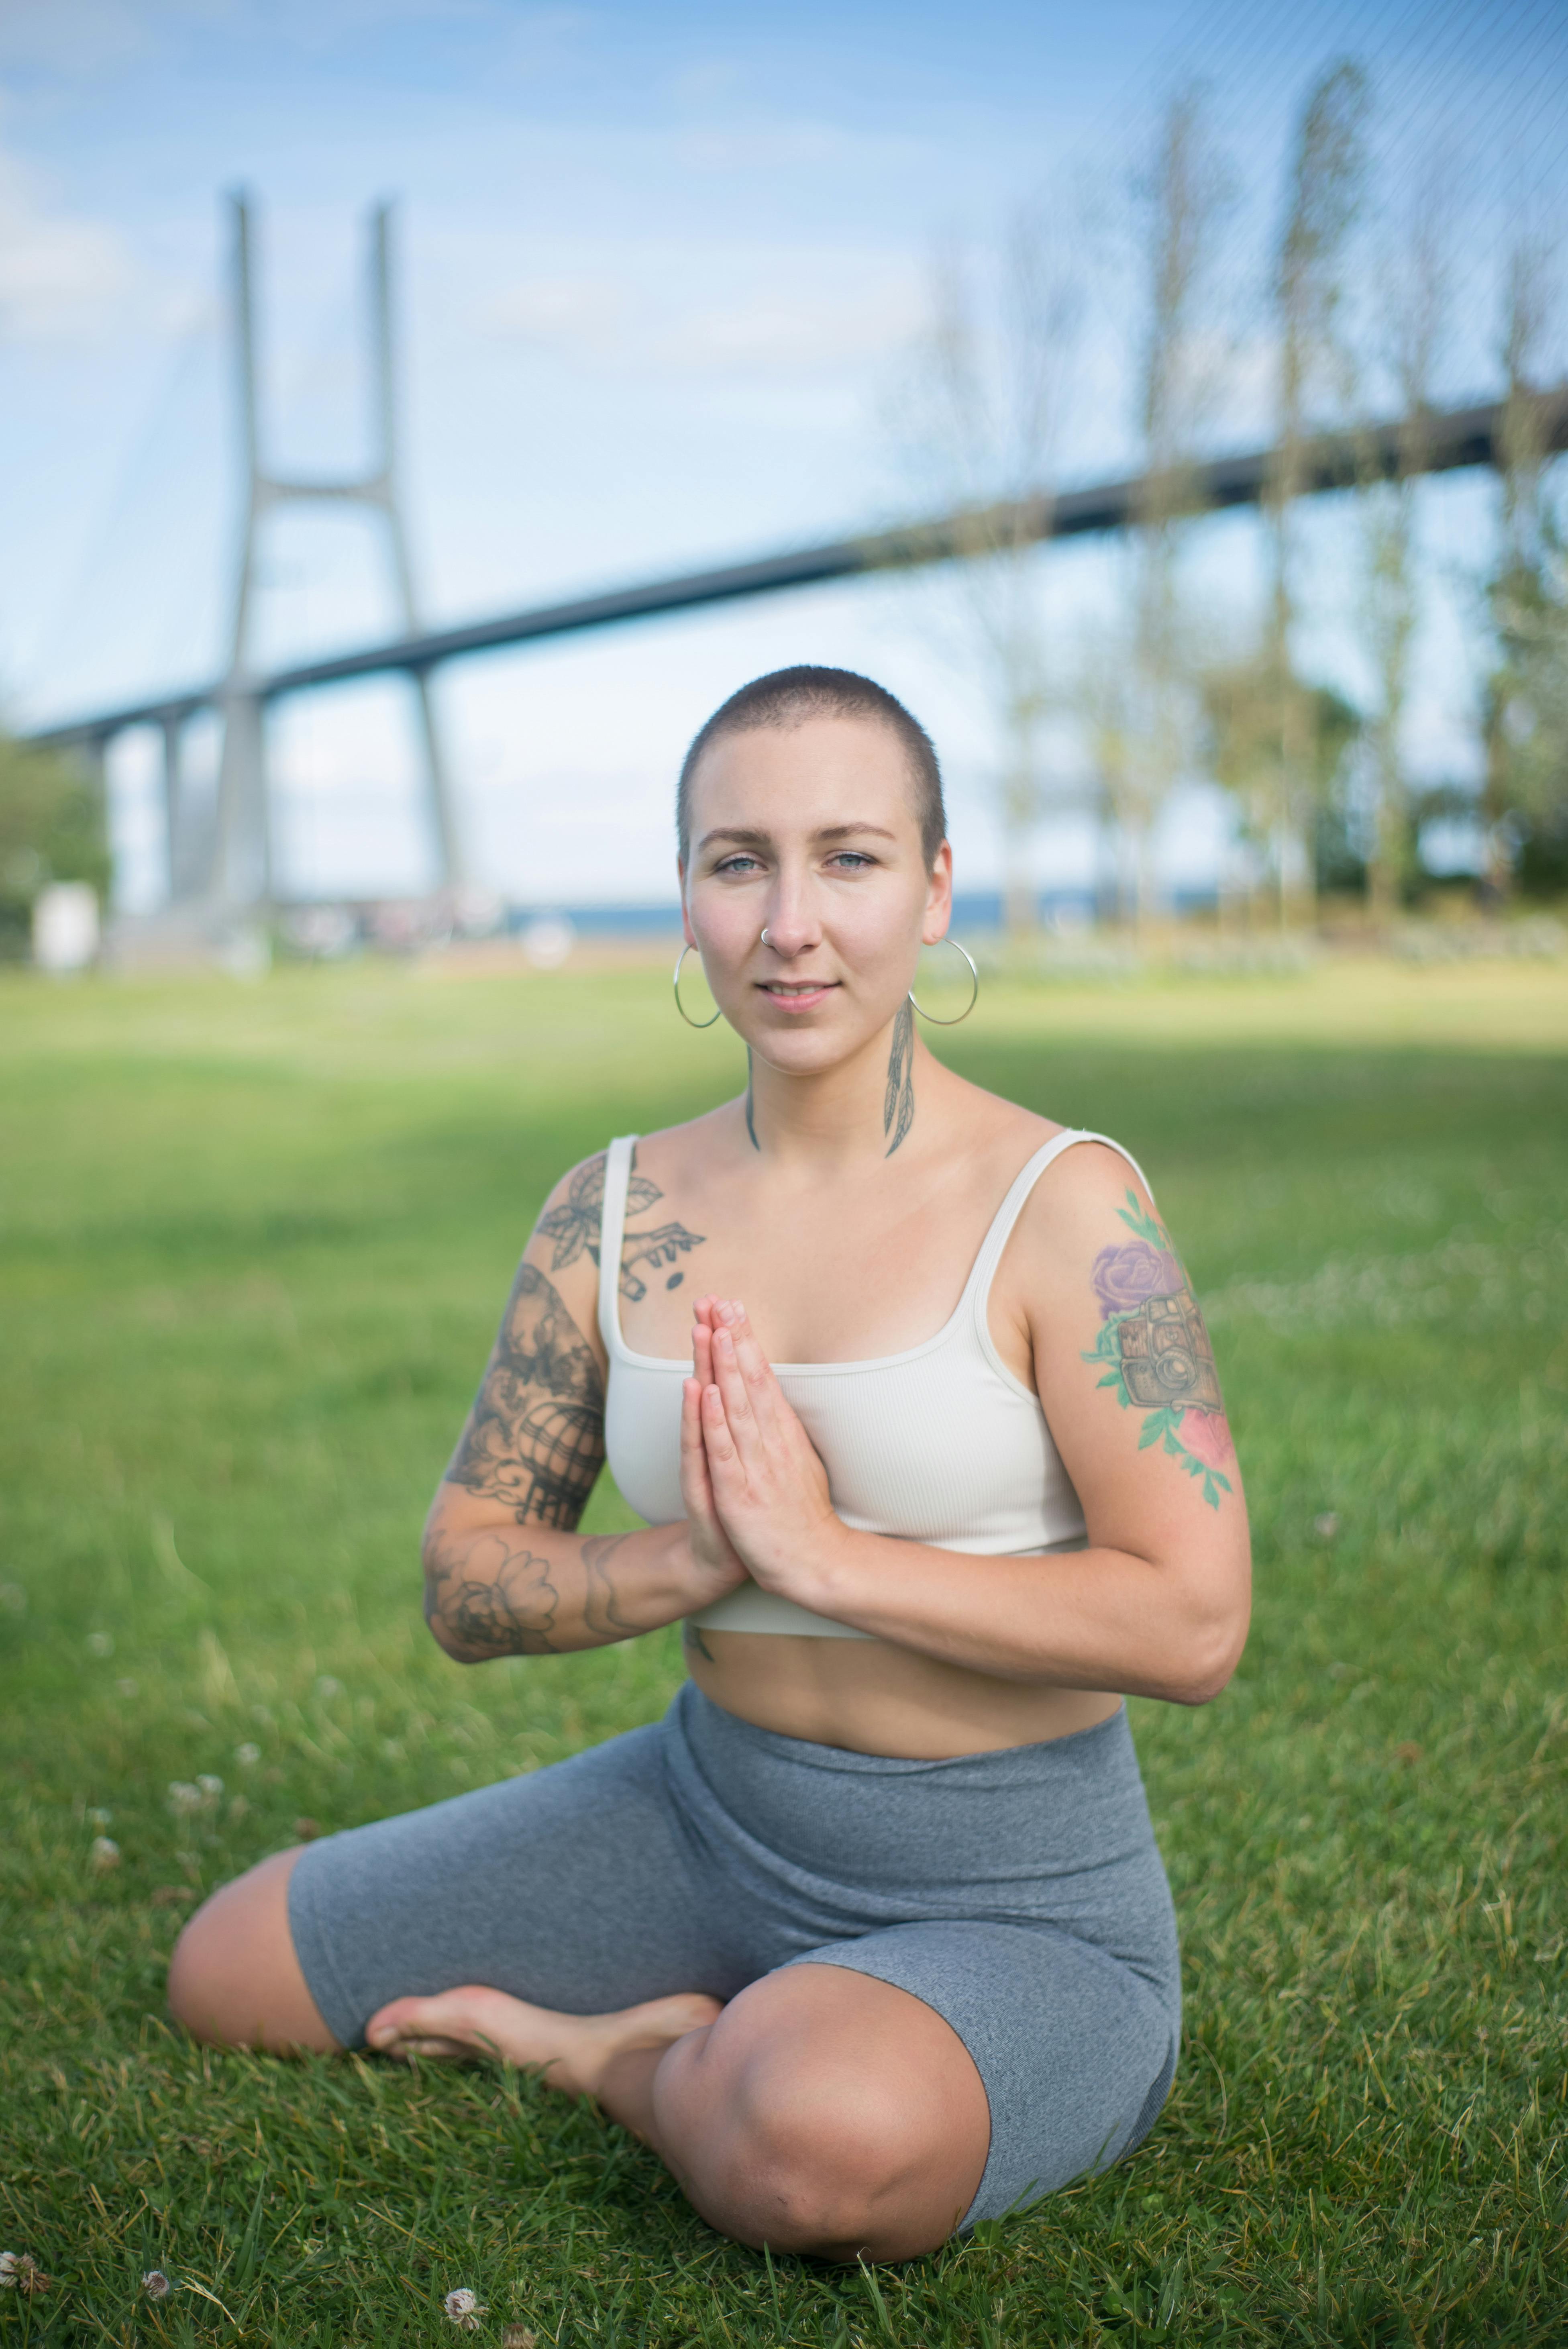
253, 1250
51, 829
1249, 707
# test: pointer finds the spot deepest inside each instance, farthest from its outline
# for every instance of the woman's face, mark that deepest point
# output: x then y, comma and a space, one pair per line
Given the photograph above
809, 833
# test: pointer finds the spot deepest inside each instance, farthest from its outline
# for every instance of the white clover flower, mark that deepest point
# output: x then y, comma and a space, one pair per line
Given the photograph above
156, 2285
100, 1643
126, 1688
247, 1755
210, 1789
105, 1855
20, 2273
518, 2336
464, 2309
327, 1688
101, 1818
13, 1599
238, 1807
183, 1798
8, 2270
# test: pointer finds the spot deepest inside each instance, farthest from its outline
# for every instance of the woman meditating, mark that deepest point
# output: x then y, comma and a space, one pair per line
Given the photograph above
869, 1938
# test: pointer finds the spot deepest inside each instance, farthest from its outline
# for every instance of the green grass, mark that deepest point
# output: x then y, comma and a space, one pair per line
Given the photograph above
254, 1243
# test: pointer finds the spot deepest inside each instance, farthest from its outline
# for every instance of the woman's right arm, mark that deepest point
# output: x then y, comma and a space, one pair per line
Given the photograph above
505, 1571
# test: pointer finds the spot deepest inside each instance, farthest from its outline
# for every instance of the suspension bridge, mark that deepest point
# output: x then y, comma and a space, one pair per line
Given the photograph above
220, 861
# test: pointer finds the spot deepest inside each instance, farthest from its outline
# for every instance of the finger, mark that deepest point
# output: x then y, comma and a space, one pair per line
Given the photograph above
718, 1441
762, 1383
731, 1384
702, 1355
696, 1490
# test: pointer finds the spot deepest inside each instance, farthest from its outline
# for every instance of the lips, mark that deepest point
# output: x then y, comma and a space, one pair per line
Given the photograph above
798, 995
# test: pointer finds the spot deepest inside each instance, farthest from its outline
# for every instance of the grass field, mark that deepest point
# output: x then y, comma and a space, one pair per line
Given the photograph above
253, 1245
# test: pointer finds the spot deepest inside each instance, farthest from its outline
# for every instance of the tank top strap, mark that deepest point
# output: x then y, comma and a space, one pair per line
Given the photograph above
1012, 1206
611, 1224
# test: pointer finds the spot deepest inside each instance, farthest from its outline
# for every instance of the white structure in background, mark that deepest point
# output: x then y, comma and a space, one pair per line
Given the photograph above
65, 926
548, 940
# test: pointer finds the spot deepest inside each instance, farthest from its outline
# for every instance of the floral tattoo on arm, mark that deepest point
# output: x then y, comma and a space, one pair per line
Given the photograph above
1156, 1352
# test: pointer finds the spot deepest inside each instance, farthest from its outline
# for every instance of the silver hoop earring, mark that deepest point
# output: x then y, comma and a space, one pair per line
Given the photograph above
973, 999
680, 1007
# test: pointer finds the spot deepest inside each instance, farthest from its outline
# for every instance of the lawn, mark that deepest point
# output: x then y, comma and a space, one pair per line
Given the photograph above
253, 1245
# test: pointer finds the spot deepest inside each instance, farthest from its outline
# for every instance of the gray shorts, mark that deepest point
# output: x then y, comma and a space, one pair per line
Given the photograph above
1020, 1894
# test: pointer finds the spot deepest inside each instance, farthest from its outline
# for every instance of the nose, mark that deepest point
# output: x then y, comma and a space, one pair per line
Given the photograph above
793, 925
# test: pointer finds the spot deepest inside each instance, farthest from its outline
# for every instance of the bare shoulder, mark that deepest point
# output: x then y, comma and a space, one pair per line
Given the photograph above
674, 1155
568, 1225
990, 1129
1088, 1191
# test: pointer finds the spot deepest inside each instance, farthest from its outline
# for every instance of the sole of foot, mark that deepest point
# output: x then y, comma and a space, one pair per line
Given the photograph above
474, 2024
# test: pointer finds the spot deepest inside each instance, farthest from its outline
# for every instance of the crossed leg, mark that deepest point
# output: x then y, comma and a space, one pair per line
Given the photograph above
820, 2111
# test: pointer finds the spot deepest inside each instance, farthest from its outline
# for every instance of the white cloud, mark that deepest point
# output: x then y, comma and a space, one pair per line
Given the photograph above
58, 275
707, 310
765, 147
801, 330
567, 313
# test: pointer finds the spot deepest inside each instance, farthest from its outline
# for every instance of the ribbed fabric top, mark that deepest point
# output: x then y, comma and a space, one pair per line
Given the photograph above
940, 1443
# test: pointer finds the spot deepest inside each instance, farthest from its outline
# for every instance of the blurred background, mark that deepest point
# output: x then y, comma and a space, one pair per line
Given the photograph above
1215, 352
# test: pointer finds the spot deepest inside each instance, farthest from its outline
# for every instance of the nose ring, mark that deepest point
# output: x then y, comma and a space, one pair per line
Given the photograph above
764, 939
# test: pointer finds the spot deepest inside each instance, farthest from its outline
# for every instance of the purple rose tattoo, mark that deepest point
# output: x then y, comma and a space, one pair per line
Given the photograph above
1127, 1276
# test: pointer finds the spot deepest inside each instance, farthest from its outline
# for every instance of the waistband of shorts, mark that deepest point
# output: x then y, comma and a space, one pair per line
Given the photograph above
1104, 1745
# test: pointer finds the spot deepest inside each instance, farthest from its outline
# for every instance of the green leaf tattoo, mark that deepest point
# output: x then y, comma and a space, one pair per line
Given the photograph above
1156, 1351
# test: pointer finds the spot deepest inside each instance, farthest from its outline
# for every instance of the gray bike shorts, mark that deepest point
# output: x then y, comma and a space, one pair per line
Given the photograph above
1020, 1894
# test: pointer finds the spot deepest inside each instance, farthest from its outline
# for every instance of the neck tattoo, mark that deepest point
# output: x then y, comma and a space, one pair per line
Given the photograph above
898, 1101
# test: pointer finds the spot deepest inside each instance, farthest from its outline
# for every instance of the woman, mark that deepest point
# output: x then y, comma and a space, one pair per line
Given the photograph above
870, 1938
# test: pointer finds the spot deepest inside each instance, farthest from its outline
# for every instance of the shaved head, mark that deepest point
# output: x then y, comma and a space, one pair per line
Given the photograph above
788, 697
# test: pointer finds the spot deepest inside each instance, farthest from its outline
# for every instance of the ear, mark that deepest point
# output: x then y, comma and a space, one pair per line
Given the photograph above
686, 931
938, 897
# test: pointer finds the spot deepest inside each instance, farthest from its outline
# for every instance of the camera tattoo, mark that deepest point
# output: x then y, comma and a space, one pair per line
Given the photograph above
1157, 1353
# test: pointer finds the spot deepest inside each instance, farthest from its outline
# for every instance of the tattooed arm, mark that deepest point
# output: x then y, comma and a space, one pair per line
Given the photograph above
505, 1572
1090, 1300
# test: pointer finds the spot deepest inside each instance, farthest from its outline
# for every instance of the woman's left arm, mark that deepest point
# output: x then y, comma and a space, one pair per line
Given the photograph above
1158, 1604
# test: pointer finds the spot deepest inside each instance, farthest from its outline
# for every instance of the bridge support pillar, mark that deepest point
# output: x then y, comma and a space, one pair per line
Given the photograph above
241, 875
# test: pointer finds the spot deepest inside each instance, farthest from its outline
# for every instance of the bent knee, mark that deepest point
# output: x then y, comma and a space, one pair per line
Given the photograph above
234, 1980
834, 2170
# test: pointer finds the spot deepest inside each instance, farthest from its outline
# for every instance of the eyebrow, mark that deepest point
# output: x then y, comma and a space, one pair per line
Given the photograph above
750, 837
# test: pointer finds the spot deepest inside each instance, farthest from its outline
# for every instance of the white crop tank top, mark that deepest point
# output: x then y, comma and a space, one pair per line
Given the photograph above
939, 1445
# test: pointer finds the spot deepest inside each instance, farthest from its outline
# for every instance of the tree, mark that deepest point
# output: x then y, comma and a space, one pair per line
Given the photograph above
1316, 373
976, 427
1413, 305
1242, 703
1526, 717
52, 828
1146, 726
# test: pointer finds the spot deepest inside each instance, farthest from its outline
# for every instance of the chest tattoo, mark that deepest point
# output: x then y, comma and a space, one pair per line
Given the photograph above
575, 1227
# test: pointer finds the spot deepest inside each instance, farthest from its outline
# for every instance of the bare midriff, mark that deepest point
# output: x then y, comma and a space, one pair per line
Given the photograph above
870, 1697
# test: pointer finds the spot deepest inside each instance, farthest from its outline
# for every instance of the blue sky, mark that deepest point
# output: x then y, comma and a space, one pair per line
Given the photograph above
660, 266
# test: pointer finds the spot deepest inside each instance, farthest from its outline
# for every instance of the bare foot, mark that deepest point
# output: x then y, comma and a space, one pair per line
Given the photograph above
570, 2051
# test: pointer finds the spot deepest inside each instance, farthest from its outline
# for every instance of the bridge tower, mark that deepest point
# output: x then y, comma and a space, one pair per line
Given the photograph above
238, 875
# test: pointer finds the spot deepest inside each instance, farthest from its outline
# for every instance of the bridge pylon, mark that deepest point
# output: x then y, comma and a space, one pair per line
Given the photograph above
237, 874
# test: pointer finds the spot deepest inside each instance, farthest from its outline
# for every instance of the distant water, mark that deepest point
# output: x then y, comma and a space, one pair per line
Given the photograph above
975, 912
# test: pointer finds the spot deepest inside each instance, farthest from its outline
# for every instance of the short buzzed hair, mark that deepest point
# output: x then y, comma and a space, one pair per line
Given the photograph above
788, 698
